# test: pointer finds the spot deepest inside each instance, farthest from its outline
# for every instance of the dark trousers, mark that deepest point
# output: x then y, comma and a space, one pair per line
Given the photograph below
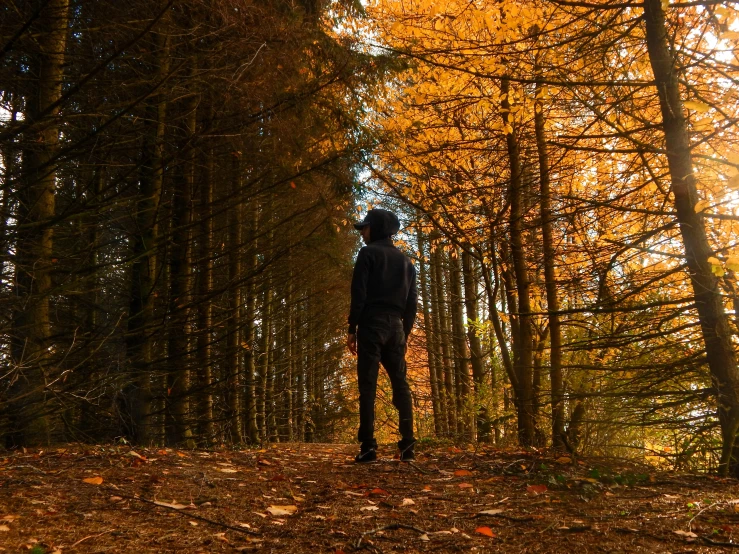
382, 340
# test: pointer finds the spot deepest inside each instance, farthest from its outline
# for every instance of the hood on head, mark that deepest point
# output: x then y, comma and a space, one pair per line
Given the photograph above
383, 224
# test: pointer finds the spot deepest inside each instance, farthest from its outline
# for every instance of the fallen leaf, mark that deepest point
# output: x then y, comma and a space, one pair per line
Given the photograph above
688, 534
4, 528
407, 502
462, 473
465, 486
9, 518
485, 531
378, 492
94, 480
136, 455
368, 509
424, 538
115, 498
193, 523
227, 470
563, 460
537, 489
282, 510
490, 512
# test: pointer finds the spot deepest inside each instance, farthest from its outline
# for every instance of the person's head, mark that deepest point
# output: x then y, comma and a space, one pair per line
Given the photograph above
378, 224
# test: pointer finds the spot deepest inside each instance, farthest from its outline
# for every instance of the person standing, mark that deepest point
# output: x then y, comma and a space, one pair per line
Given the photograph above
383, 309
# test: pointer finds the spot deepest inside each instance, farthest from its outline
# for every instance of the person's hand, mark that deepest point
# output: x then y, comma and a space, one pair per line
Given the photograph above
351, 343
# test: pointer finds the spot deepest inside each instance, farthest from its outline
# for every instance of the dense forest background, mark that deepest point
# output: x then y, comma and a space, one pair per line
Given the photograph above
179, 179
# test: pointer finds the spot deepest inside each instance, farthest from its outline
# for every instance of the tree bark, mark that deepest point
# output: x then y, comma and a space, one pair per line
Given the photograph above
443, 338
234, 419
430, 335
250, 405
550, 280
711, 314
206, 431
473, 315
464, 401
145, 272
522, 340
33, 249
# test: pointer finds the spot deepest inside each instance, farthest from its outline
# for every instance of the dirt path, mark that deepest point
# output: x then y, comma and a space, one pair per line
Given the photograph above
312, 498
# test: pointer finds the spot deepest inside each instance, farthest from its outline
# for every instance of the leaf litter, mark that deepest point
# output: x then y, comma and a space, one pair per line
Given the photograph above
449, 498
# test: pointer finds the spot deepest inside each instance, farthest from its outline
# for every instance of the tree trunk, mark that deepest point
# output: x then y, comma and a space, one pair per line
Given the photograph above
140, 335
443, 337
206, 429
33, 249
250, 405
550, 280
234, 419
522, 340
263, 394
465, 412
713, 320
473, 315
430, 336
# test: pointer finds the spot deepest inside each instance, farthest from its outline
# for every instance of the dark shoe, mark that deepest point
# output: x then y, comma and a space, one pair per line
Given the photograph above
366, 456
406, 453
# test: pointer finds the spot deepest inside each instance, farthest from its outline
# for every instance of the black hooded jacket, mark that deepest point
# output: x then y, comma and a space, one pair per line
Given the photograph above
384, 280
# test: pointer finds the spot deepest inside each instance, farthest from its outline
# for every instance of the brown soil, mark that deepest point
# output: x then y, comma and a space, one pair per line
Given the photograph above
115, 499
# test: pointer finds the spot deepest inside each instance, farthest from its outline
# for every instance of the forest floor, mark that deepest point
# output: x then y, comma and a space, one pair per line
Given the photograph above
312, 498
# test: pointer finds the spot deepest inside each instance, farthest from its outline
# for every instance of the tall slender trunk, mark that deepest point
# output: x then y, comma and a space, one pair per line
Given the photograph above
472, 309
179, 430
522, 343
301, 367
33, 249
492, 289
713, 320
263, 379
250, 405
145, 272
550, 280
465, 413
443, 337
430, 336
206, 429
234, 417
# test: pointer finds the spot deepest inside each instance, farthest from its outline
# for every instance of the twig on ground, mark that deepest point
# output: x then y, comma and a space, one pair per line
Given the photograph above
90, 537
27, 467
391, 527
690, 523
189, 514
719, 543
419, 468
503, 516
